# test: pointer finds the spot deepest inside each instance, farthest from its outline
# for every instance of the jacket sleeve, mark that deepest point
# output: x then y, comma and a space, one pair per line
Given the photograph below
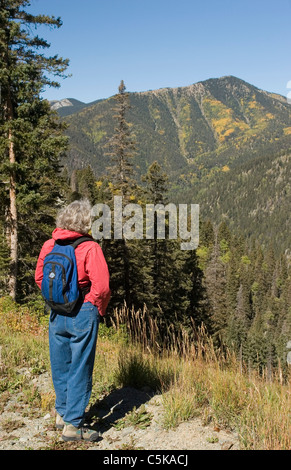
97, 271
39, 266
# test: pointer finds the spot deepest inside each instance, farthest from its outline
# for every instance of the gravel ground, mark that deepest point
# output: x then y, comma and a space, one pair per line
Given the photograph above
128, 419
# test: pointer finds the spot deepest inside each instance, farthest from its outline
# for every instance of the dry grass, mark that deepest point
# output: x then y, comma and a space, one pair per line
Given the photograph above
193, 377
205, 381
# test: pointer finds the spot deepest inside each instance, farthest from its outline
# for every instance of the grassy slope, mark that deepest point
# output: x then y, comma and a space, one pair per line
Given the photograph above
200, 382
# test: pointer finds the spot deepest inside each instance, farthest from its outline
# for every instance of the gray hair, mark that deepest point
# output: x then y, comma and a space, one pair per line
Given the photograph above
75, 217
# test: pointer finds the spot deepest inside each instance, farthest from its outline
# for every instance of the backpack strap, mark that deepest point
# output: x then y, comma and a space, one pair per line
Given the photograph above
75, 243
86, 289
80, 240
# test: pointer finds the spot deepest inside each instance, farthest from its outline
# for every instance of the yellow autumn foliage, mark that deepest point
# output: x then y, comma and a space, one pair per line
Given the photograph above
223, 119
225, 168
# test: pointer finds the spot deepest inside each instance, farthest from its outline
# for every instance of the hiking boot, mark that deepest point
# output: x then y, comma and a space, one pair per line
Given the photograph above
60, 423
71, 433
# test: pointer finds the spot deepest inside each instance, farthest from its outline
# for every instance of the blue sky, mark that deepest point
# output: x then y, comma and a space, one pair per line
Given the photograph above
153, 44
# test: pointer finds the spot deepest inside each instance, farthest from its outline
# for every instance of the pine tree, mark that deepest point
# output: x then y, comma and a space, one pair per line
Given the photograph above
31, 139
155, 191
4, 259
223, 233
206, 233
195, 291
169, 296
83, 185
240, 322
233, 280
120, 252
257, 346
215, 282
122, 148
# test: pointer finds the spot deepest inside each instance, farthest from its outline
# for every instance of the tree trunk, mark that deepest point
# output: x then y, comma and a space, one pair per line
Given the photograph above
12, 222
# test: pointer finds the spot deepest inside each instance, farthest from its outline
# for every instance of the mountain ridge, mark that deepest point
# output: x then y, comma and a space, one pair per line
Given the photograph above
196, 125
90, 103
204, 136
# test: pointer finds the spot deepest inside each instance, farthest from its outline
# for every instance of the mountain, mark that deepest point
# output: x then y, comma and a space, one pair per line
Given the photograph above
69, 106
221, 141
254, 198
206, 125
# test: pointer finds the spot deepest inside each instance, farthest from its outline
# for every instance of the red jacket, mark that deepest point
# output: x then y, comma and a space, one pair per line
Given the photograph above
91, 267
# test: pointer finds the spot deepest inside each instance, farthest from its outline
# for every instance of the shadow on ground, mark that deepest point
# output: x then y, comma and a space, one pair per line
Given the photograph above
103, 414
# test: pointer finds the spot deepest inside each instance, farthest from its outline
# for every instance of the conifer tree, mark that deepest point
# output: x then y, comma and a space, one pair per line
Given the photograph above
118, 252
240, 321
195, 291
83, 185
215, 280
169, 296
206, 233
155, 190
122, 147
257, 347
31, 139
233, 280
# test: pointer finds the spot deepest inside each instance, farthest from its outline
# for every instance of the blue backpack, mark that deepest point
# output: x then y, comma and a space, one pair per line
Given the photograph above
59, 285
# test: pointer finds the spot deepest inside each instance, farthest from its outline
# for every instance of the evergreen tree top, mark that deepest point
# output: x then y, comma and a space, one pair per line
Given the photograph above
20, 48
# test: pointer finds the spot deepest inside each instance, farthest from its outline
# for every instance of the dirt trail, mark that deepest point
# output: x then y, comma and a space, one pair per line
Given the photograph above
129, 419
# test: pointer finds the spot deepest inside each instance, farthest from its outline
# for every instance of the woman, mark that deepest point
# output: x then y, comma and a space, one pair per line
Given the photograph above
73, 337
